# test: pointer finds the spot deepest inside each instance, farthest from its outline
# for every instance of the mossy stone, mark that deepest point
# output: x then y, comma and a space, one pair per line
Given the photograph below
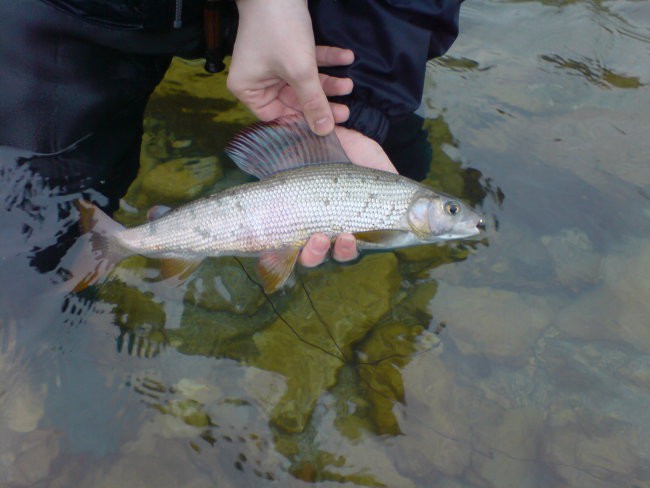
181, 180
310, 353
222, 285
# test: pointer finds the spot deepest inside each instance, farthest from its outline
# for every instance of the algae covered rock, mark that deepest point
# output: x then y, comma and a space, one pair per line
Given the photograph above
386, 352
222, 285
216, 334
349, 300
180, 180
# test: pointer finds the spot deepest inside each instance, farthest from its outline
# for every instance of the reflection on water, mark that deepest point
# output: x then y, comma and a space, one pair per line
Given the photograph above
519, 360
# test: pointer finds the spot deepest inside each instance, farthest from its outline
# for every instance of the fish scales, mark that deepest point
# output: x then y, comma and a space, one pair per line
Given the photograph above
283, 210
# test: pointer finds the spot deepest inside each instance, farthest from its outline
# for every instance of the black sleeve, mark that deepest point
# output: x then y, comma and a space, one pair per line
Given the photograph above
392, 41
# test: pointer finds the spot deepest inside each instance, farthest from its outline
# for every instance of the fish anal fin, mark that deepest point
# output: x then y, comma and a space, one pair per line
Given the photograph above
178, 269
267, 148
275, 267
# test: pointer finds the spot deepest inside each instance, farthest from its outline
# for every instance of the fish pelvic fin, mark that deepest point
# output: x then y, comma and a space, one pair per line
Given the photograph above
275, 267
105, 250
267, 148
177, 269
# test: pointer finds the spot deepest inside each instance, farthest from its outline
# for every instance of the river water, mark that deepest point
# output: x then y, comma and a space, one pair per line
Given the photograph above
518, 360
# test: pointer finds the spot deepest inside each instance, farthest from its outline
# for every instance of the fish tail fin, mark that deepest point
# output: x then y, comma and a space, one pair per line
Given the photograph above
105, 253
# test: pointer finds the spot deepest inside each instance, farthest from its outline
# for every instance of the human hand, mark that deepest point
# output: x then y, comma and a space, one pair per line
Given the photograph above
274, 68
362, 151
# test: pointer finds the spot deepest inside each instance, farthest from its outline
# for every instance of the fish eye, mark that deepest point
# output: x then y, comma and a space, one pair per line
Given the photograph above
452, 208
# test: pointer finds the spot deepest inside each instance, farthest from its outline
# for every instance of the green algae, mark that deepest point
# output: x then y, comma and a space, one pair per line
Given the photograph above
222, 285
181, 180
310, 352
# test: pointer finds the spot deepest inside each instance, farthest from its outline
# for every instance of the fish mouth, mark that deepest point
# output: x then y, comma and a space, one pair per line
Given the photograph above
464, 232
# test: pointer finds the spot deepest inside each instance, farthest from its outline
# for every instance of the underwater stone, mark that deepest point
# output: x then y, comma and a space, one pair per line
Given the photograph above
619, 308
215, 334
387, 350
441, 436
224, 286
498, 323
350, 299
33, 457
181, 180
512, 438
575, 261
598, 451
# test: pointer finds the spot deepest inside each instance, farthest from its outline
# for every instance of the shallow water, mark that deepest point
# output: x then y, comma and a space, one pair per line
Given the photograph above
520, 360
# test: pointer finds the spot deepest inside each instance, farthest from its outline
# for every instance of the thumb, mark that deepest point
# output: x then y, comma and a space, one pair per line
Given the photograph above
314, 104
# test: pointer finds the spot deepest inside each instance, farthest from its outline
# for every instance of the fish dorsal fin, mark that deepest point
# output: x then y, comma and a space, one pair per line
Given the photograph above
267, 148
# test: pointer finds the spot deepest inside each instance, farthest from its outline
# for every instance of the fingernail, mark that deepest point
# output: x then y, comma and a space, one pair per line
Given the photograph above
347, 242
321, 244
323, 126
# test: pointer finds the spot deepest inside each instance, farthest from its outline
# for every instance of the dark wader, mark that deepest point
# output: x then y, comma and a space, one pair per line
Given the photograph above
75, 92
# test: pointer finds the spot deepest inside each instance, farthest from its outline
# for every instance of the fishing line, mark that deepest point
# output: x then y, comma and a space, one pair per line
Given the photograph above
275, 310
322, 320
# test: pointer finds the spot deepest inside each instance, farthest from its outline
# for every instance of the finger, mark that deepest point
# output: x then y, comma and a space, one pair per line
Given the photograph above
272, 111
333, 86
341, 112
345, 248
333, 56
363, 150
313, 103
264, 102
289, 99
315, 251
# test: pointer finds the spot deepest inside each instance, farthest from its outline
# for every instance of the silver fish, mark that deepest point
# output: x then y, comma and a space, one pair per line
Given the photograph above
307, 185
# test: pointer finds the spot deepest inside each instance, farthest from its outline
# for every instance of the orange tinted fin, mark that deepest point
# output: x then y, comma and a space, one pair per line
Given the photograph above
104, 252
275, 267
180, 269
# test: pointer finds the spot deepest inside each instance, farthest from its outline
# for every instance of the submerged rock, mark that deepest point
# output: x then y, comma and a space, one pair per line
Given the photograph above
500, 324
386, 352
315, 345
596, 451
437, 435
181, 180
222, 285
619, 308
576, 262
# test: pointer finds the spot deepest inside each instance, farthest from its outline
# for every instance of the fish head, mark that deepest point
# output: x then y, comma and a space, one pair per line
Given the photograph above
438, 217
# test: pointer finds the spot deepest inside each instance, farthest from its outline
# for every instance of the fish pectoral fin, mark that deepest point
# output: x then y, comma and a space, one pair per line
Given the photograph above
378, 237
275, 267
179, 269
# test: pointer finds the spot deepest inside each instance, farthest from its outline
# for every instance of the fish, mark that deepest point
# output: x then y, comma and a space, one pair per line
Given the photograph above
306, 185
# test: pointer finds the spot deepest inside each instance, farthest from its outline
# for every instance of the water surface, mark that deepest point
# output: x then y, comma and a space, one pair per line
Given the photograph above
519, 360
